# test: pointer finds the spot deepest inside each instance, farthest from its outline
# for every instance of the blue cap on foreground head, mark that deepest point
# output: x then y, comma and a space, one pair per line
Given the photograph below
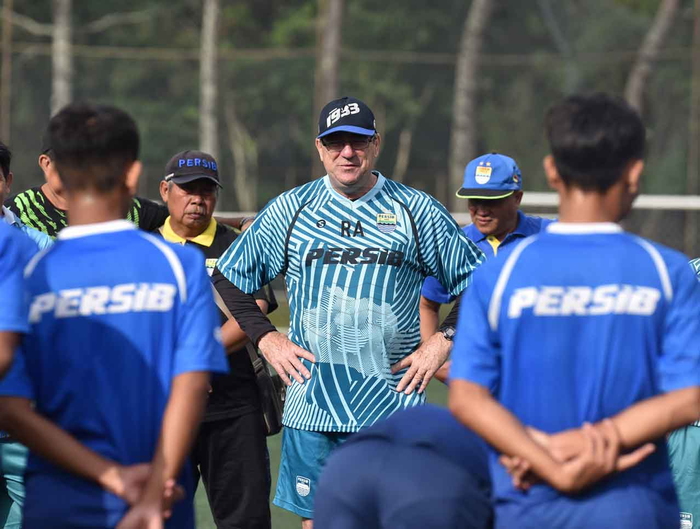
346, 114
491, 176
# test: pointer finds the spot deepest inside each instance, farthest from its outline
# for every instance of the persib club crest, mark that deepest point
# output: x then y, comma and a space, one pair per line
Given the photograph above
686, 520
386, 222
483, 172
303, 486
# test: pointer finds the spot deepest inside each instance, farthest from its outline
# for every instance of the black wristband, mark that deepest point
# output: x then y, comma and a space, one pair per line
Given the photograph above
451, 319
244, 308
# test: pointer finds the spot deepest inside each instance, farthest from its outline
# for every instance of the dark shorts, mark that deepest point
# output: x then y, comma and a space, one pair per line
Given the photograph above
373, 483
231, 455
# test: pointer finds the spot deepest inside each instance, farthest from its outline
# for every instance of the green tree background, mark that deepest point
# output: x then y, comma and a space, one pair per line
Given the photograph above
393, 53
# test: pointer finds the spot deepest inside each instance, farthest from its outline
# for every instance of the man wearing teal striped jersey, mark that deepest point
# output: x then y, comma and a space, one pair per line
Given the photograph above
684, 455
355, 248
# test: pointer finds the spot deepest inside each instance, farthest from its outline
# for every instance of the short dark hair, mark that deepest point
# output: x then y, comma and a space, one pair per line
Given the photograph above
593, 138
93, 146
5, 159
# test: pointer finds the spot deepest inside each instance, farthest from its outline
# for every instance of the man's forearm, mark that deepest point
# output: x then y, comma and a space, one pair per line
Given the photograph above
183, 414
54, 444
246, 311
451, 319
233, 336
478, 410
8, 343
652, 418
429, 314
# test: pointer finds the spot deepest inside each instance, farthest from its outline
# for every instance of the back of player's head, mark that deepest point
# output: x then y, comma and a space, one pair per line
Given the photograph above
93, 146
593, 139
5, 159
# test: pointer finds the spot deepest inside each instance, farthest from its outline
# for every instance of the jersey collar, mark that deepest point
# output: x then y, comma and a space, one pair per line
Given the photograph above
522, 229
9, 217
206, 238
73, 232
583, 228
364, 198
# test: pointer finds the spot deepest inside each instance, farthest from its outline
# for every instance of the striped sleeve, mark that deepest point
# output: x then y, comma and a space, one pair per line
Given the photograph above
257, 256
695, 265
449, 255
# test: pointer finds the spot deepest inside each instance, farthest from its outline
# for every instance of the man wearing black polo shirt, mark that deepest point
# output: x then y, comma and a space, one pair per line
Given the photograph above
230, 451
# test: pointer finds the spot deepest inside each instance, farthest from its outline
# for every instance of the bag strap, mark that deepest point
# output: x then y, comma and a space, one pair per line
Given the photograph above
252, 351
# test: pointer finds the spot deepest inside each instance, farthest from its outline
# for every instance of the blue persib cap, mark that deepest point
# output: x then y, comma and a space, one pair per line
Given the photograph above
346, 114
491, 176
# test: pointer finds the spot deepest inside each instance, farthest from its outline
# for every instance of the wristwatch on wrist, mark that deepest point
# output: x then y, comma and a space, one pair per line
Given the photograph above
448, 333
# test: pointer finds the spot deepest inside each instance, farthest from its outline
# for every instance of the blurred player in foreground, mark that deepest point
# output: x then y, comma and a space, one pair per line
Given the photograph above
118, 356
419, 468
45, 208
13, 455
583, 324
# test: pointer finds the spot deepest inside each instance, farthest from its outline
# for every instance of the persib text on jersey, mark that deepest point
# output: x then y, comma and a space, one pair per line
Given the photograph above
129, 297
584, 300
355, 256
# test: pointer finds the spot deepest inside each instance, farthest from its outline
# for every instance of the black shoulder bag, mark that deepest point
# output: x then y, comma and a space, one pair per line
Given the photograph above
271, 389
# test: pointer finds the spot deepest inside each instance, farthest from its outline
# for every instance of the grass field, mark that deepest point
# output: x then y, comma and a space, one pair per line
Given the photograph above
281, 519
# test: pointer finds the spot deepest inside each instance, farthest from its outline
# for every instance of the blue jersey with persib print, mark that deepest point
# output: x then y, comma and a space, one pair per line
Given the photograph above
353, 270
579, 323
115, 314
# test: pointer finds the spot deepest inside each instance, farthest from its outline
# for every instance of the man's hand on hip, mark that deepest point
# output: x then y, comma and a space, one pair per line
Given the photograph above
283, 355
423, 363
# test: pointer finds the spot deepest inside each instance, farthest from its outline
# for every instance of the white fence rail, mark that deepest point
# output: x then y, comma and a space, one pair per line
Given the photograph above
532, 200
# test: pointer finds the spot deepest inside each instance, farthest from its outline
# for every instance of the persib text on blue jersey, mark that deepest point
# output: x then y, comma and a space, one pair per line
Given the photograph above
584, 301
129, 297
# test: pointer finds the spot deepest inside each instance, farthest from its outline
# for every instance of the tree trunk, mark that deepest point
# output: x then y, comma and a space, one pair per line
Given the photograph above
328, 38
403, 154
208, 79
571, 76
62, 56
649, 51
639, 78
6, 71
464, 123
245, 158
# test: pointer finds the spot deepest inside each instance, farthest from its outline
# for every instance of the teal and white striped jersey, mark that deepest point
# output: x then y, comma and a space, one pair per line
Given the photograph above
353, 271
695, 265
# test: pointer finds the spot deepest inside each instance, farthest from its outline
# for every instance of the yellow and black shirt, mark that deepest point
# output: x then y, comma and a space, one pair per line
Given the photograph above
234, 394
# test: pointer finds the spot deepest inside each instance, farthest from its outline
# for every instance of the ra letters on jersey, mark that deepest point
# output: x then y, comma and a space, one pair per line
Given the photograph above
584, 300
118, 299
